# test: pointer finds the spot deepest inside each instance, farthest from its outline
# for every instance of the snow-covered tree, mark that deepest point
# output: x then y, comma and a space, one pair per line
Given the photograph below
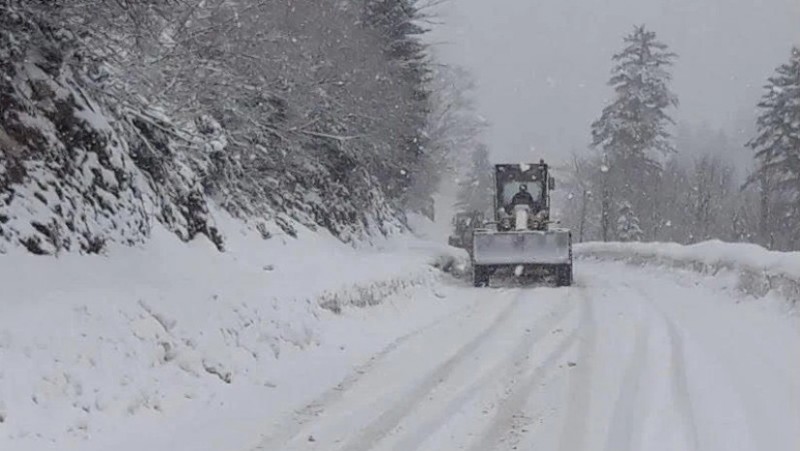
289, 111
628, 228
633, 131
454, 127
709, 194
579, 210
777, 147
476, 190
454, 137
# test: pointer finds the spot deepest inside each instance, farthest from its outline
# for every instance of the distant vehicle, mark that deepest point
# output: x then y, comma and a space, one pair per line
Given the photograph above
520, 240
464, 225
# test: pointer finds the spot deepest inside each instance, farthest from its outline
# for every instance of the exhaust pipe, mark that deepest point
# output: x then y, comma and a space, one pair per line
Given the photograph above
521, 213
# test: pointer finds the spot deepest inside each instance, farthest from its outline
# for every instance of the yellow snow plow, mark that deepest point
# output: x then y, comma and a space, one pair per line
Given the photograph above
520, 240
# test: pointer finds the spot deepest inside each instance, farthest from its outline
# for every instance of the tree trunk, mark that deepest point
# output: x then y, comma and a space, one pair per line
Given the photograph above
764, 229
605, 219
583, 216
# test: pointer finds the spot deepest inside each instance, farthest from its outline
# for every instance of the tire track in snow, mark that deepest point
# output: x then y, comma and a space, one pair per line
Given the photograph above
573, 434
518, 395
369, 436
736, 408
678, 384
678, 377
681, 386
624, 420
292, 426
503, 370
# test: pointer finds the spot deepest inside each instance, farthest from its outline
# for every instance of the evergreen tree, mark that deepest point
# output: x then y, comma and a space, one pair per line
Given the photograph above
632, 132
777, 149
476, 191
628, 228
395, 23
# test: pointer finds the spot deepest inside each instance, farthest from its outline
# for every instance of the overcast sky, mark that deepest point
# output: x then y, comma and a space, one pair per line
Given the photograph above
541, 66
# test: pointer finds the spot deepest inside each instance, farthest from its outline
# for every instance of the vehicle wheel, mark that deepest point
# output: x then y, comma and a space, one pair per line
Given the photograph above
480, 276
564, 276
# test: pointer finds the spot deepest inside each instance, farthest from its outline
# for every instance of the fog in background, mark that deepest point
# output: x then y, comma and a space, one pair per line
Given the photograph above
541, 66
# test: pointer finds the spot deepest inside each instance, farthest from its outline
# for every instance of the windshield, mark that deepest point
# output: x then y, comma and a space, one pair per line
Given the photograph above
511, 188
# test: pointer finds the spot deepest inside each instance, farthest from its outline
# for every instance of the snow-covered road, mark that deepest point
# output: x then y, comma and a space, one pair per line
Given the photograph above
629, 359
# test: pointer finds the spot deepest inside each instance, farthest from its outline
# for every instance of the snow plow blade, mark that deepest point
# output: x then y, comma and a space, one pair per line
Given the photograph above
527, 247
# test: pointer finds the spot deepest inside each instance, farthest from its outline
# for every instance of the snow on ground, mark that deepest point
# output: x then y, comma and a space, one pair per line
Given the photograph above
630, 359
755, 270
177, 346
708, 252
142, 349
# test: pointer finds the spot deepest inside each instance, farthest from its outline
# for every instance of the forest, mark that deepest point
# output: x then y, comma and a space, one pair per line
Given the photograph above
646, 178
122, 115
119, 115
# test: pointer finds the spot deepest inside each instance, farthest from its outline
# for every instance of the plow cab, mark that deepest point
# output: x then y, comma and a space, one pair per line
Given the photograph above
520, 241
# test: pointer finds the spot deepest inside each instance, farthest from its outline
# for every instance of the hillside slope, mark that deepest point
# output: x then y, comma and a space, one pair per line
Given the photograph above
115, 119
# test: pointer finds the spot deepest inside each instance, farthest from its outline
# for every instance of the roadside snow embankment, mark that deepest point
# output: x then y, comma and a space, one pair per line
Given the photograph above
758, 270
94, 349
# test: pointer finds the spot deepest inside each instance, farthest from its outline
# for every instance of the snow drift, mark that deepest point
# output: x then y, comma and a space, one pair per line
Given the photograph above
759, 270
181, 334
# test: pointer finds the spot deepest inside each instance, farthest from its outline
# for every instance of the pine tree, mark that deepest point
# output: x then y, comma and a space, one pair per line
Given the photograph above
476, 191
628, 228
632, 132
396, 24
777, 149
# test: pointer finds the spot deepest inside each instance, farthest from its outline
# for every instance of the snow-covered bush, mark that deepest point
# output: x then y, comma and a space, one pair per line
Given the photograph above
628, 224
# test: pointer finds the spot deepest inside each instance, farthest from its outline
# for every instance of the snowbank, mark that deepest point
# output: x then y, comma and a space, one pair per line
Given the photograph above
142, 348
759, 270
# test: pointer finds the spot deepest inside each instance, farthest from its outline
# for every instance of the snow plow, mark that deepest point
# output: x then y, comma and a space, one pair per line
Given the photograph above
520, 241
464, 224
